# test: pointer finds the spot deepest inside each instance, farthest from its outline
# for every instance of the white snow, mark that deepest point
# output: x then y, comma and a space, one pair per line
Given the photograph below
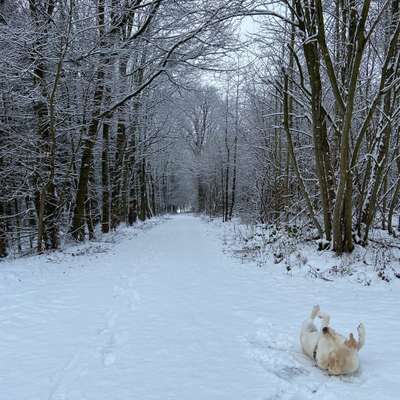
165, 314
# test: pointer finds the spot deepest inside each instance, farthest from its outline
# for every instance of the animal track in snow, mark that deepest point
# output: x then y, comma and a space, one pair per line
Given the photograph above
107, 351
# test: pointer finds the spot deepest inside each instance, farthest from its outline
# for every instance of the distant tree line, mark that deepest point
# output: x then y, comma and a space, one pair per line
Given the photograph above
83, 119
113, 111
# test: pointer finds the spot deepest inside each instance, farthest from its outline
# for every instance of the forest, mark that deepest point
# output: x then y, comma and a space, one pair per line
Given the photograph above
278, 112
199, 199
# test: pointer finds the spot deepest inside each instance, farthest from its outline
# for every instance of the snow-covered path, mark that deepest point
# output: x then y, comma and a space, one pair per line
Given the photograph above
165, 314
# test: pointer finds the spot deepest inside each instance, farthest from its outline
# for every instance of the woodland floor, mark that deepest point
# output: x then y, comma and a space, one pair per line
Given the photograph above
161, 312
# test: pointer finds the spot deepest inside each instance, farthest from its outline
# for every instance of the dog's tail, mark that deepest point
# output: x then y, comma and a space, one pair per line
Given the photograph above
361, 336
314, 312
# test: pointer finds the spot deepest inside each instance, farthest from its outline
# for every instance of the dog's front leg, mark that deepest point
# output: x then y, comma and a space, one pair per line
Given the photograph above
325, 319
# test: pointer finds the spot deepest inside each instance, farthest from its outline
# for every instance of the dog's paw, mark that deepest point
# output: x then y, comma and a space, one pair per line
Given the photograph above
315, 311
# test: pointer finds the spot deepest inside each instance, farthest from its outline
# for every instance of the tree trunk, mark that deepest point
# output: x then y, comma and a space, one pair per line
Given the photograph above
3, 233
78, 219
233, 192
116, 203
383, 141
105, 180
320, 135
303, 189
143, 191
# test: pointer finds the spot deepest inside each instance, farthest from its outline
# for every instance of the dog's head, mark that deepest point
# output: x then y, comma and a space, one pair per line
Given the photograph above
327, 331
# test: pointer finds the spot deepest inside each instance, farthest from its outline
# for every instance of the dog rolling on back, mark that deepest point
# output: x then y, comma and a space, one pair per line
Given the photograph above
330, 350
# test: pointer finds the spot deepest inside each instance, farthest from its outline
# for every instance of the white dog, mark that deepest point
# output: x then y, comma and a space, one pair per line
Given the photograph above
327, 348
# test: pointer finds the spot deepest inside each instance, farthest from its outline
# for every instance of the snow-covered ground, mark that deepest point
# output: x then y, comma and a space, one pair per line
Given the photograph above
164, 314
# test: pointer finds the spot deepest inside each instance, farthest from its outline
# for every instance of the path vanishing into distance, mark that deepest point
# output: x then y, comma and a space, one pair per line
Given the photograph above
165, 312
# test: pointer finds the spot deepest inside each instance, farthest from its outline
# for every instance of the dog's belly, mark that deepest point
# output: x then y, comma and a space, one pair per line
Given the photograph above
322, 360
325, 347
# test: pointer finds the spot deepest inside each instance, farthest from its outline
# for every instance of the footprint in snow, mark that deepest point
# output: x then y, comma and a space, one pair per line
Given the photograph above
108, 355
107, 351
119, 291
277, 354
108, 359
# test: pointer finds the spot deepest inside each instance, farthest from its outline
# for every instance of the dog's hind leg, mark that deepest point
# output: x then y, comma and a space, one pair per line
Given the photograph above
314, 312
308, 324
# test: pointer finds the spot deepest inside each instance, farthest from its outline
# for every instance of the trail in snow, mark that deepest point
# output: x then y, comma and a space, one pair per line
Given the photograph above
167, 315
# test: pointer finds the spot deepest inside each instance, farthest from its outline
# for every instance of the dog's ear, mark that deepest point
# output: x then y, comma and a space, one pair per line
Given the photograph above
351, 342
